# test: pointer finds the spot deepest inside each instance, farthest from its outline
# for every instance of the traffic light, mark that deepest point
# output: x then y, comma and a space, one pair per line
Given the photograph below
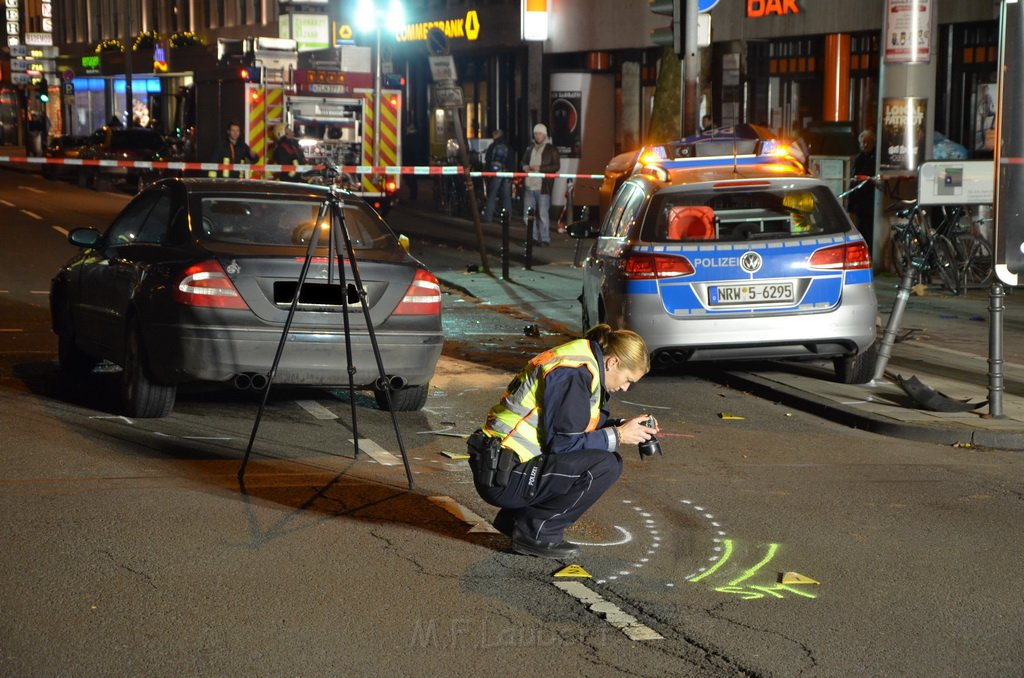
44, 92
671, 35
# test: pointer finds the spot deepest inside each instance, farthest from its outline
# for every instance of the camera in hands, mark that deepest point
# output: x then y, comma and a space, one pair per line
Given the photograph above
650, 447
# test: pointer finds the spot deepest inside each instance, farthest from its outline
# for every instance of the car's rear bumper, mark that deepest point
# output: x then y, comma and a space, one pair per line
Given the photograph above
192, 353
847, 329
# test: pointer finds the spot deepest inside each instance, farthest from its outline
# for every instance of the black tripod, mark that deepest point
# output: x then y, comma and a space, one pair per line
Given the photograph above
331, 210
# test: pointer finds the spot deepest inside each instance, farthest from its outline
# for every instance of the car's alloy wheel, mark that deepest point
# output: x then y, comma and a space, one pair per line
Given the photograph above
407, 399
140, 395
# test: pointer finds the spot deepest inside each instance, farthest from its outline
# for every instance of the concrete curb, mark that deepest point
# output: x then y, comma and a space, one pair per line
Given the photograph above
809, 402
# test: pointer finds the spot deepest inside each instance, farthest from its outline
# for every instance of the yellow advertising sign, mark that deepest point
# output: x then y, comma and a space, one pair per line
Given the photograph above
467, 27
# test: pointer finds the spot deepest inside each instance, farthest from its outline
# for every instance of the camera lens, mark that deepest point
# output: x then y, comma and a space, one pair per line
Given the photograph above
649, 448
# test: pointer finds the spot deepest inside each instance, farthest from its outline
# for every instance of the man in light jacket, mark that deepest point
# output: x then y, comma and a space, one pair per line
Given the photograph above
541, 156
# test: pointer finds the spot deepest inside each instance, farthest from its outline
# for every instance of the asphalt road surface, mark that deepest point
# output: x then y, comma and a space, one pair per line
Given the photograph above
131, 547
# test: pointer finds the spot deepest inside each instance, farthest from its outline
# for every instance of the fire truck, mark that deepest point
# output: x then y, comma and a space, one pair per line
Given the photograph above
328, 102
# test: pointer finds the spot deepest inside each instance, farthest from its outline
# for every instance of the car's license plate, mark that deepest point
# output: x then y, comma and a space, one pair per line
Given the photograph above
753, 293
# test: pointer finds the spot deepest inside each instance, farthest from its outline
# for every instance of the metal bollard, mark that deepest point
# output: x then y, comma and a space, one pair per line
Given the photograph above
531, 215
505, 218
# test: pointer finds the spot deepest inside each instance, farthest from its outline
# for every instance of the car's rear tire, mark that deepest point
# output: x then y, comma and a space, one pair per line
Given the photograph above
857, 369
406, 399
141, 396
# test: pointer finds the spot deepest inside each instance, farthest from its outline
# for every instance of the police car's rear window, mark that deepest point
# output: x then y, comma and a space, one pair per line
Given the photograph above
743, 214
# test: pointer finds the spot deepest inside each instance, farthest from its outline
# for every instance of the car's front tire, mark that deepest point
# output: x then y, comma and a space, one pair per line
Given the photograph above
141, 396
406, 399
857, 369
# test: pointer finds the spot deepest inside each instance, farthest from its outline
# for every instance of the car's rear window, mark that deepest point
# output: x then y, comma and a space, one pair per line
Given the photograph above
286, 223
743, 214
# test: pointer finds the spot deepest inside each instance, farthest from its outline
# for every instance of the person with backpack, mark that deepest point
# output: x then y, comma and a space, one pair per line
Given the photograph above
499, 157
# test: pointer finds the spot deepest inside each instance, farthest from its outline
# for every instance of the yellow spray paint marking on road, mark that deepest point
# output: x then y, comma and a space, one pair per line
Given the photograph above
737, 587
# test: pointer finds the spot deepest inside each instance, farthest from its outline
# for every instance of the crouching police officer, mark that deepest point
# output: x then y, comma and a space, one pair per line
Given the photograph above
548, 449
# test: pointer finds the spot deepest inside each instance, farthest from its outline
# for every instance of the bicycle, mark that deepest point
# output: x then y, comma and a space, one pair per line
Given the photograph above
915, 244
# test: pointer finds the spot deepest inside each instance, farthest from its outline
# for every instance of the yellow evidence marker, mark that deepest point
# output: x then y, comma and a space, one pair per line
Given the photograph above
797, 578
572, 571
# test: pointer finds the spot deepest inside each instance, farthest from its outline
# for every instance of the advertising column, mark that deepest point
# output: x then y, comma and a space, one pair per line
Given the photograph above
582, 128
907, 99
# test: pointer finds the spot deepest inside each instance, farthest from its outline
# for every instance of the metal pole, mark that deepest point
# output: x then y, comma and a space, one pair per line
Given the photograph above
895, 320
531, 215
691, 69
995, 351
128, 65
505, 219
470, 191
376, 103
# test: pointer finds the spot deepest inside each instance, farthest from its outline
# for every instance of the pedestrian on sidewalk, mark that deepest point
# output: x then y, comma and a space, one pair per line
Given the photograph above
548, 449
861, 202
499, 157
541, 156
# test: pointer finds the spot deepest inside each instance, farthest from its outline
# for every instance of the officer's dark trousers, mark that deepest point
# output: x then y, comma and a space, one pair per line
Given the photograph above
567, 485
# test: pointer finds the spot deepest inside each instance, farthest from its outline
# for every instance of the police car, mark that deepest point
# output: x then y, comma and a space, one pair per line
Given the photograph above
722, 247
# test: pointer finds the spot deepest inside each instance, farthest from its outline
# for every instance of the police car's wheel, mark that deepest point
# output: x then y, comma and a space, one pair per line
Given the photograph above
857, 369
407, 399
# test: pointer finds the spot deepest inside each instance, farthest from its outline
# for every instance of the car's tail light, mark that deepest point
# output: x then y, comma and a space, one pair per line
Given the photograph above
206, 284
391, 186
423, 296
652, 266
848, 257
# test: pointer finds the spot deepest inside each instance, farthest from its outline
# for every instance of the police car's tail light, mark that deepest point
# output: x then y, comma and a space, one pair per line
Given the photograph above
206, 284
847, 257
423, 296
643, 266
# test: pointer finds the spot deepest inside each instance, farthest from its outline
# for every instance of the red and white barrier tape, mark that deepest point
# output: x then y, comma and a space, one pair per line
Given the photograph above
245, 168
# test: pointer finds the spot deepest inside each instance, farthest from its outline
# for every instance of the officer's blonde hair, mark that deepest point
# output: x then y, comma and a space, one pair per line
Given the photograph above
626, 345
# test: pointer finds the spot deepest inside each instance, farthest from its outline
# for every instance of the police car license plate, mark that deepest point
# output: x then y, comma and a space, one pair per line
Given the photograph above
754, 293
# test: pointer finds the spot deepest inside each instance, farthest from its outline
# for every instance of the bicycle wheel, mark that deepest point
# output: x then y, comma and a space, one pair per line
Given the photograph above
943, 262
905, 247
975, 259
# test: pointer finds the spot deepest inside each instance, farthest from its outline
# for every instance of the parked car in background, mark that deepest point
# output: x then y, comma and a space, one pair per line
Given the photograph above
65, 147
194, 280
116, 143
724, 248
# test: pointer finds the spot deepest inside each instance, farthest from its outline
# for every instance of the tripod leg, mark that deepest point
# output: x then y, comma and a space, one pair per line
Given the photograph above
383, 380
337, 219
314, 239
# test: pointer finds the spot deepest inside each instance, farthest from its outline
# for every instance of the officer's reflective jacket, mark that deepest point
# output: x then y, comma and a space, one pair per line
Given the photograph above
515, 419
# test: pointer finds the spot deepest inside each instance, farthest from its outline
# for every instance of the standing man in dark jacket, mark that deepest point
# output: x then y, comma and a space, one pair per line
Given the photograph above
499, 157
232, 150
541, 156
861, 202
287, 151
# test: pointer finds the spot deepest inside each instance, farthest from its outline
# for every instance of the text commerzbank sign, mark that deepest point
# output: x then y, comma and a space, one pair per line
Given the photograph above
464, 28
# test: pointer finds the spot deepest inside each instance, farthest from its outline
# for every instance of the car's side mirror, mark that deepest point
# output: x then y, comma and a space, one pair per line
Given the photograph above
84, 237
584, 228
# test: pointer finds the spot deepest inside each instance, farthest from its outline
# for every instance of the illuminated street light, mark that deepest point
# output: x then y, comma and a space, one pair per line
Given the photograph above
373, 16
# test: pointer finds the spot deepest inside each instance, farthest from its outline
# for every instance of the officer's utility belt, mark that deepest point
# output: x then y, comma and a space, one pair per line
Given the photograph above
492, 464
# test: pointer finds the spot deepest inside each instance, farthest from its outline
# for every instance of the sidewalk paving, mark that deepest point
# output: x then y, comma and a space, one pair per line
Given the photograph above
944, 338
